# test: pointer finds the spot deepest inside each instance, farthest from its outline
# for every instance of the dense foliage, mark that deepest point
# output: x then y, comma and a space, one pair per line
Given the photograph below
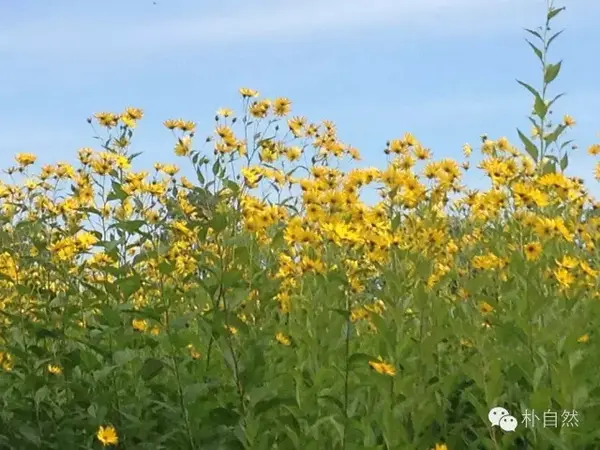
265, 305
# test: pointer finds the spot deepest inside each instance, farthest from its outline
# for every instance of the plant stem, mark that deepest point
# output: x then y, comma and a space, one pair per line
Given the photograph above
347, 371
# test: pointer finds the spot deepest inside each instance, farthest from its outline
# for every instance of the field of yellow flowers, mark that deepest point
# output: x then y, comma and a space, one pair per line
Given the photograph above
264, 305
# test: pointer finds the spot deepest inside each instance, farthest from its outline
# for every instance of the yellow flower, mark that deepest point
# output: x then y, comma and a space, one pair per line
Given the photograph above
568, 262
195, 354
587, 269
283, 298
54, 369
134, 113
564, 277
139, 324
594, 149
583, 338
187, 126
380, 366
224, 112
107, 435
568, 120
440, 447
466, 343
128, 121
183, 146
283, 339
467, 150
25, 159
6, 361
282, 106
246, 92
171, 124
485, 307
107, 120
532, 251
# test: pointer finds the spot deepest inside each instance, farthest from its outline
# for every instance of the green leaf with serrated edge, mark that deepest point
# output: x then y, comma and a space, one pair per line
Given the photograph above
551, 72
529, 146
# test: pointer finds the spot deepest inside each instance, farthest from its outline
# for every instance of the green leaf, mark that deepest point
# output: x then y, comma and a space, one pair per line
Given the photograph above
535, 33
200, 176
552, 38
235, 188
30, 434
117, 193
553, 137
332, 399
549, 167
359, 359
223, 416
130, 284
131, 226
166, 268
151, 368
42, 333
41, 394
564, 162
536, 50
216, 167
110, 316
529, 146
564, 144
342, 312
529, 88
123, 357
266, 405
551, 102
551, 72
540, 108
554, 12
219, 223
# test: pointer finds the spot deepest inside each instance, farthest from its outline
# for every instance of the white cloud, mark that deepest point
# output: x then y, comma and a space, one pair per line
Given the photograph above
92, 31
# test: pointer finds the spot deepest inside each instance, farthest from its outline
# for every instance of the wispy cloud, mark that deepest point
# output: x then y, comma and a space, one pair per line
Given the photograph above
151, 29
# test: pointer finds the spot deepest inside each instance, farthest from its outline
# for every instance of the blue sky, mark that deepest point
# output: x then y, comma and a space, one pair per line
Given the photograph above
442, 69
